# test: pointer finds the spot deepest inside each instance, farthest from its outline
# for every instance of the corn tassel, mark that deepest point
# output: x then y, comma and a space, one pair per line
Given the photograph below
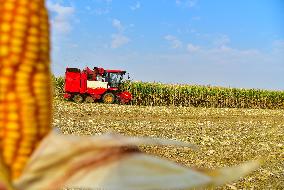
25, 93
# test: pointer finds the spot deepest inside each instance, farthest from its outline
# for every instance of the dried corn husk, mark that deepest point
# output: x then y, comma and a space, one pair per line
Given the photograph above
115, 162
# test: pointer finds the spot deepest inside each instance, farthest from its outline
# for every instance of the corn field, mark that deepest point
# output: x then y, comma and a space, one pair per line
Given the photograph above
58, 86
158, 94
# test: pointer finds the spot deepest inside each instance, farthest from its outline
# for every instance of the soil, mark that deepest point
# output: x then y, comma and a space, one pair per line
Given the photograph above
225, 137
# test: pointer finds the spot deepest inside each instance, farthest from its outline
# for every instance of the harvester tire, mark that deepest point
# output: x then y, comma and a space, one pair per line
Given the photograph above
89, 99
108, 98
78, 98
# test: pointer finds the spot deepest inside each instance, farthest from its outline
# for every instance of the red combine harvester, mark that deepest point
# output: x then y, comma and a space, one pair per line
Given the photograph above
98, 84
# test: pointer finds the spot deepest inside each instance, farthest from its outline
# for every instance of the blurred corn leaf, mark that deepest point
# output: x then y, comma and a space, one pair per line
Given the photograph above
115, 162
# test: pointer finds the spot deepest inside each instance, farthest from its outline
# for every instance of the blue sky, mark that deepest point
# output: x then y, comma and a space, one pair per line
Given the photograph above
221, 42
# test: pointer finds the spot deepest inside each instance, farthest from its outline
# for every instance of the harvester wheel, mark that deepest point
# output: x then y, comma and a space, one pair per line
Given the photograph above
78, 98
108, 98
89, 99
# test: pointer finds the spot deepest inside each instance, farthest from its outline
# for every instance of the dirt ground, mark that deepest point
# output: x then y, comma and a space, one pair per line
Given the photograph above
225, 137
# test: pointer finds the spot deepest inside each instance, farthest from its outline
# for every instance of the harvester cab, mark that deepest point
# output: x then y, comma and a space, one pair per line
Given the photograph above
114, 77
96, 84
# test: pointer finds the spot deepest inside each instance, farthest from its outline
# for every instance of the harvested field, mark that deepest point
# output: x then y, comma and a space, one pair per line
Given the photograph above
225, 136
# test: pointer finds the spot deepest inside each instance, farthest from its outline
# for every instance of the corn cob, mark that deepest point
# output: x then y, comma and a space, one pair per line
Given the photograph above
25, 92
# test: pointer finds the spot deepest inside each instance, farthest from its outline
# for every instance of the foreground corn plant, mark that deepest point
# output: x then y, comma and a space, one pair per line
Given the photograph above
106, 162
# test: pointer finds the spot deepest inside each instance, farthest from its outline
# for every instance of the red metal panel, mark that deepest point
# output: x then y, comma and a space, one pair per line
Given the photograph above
100, 71
72, 81
67, 96
124, 97
112, 89
83, 88
96, 91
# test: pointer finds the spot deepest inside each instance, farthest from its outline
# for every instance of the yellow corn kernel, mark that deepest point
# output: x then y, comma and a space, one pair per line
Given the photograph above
12, 107
35, 20
12, 134
26, 68
23, 2
13, 60
16, 49
11, 96
13, 126
22, 11
7, 71
10, 150
4, 51
18, 34
9, 5
33, 31
8, 157
19, 26
33, 39
4, 38
30, 55
13, 116
6, 27
21, 19
16, 42
7, 16
4, 81
27, 143
34, 6
23, 91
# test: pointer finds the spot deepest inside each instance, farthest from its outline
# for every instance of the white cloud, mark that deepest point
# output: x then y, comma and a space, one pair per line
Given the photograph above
186, 3
196, 18
278, 48
117, 25
191, 3
61, 22
103, 7
136, 6
102, 11
278, 44
192, 48
175, 42
221, 40
118, 40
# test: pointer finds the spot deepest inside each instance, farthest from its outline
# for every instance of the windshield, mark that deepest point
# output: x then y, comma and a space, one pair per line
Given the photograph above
115, 79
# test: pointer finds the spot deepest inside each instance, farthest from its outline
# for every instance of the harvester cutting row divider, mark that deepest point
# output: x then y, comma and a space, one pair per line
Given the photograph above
95, 85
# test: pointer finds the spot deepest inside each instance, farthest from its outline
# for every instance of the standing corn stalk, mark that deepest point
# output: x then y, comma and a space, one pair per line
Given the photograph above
25, 94
203, 96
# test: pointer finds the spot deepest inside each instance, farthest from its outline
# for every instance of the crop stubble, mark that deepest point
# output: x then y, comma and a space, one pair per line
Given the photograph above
225, 136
